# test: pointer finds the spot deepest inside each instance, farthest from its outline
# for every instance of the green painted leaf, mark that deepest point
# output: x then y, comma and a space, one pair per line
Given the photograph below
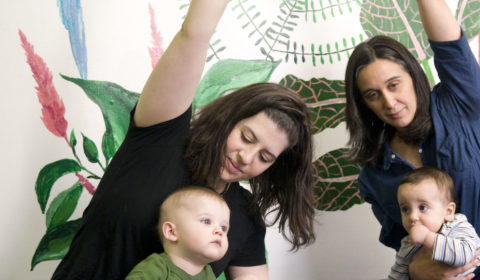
90, 149
230, 74
335, 178
115, 103
73, 139
55, 243
399, 20
108, 146
49, 174
325, 99
468, 13
63, 206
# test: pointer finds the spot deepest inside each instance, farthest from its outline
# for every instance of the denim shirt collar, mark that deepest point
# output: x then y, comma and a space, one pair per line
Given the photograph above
389, 156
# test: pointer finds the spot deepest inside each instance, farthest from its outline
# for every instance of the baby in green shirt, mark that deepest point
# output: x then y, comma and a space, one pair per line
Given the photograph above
193, 227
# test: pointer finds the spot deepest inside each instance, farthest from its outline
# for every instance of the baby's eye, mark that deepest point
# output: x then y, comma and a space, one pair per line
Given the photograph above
205, 221
423, 207
224, 228
404, 209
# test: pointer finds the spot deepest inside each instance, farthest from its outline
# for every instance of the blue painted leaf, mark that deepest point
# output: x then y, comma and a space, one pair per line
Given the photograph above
49, 174
55, 243
72, 18
230, 74
115, 103
63, 206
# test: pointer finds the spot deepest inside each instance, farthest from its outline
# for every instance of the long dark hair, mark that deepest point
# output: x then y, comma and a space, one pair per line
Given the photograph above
367, 132
287, 186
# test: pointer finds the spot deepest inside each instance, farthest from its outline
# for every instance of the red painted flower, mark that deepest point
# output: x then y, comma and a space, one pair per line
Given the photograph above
156, 51
53, 110
86, 184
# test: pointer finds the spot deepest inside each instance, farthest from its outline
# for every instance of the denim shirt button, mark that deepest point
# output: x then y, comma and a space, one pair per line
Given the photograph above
393, 156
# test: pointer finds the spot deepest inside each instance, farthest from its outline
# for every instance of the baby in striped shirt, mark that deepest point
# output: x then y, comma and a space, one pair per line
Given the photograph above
426, 197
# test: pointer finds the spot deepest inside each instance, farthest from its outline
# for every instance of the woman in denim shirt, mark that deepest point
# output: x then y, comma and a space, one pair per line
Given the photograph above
398, 123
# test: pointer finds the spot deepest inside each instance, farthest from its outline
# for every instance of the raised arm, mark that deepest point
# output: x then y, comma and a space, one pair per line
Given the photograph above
170, 89
438, 21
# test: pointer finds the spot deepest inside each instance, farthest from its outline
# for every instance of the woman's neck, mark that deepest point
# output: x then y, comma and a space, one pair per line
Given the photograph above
408, 151
222, 187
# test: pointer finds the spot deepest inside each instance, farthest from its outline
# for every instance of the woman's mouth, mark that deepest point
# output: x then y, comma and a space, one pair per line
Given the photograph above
232, 167
396, 115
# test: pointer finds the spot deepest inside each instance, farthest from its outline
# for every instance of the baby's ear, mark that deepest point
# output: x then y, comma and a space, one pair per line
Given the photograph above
169, 231
450, 211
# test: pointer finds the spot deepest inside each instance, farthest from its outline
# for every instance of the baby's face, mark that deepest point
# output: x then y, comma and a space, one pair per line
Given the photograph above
202, 229
424, 204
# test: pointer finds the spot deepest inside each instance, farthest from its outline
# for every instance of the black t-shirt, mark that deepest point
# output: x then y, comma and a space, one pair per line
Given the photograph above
119, 225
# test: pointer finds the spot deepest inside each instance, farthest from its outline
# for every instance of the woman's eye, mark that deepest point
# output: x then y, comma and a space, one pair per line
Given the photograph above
246, 138
371, 95
265, 159
393, 85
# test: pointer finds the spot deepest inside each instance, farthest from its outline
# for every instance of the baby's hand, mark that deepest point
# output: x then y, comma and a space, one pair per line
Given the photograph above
418, 233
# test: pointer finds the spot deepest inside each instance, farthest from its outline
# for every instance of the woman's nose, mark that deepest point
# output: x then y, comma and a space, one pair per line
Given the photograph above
246, 156
388, 100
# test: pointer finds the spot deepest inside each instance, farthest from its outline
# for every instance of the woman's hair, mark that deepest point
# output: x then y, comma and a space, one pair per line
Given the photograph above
443, 181
367, 131
286, 187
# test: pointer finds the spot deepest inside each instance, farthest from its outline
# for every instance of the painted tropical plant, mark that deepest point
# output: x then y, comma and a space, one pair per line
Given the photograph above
335, 176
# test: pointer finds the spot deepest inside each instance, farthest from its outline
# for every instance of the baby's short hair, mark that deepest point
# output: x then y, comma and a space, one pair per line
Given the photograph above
443, 181
181, 194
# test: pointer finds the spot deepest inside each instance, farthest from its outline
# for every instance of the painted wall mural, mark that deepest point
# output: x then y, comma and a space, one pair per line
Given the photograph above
335, 176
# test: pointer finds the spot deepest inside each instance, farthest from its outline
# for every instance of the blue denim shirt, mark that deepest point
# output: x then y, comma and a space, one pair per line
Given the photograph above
454, 146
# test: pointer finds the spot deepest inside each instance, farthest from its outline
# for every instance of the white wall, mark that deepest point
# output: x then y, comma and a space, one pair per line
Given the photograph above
118, 37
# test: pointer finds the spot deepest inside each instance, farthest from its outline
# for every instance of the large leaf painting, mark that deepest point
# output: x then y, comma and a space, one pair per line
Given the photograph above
325, 99
336, 181
335, 177
400, 20
468, 14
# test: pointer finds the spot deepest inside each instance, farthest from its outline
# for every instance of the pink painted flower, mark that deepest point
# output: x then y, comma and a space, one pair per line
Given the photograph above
53, 110
86, 184
156, 51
